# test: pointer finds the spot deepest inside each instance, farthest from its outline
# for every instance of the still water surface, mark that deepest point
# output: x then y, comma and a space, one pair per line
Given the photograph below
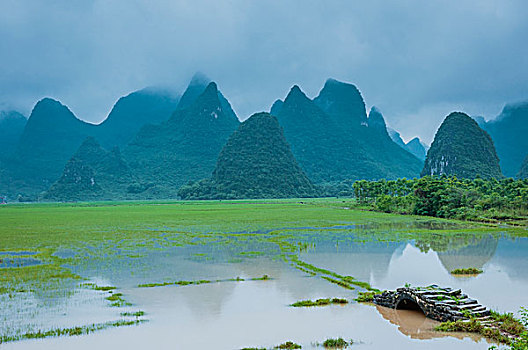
233, 315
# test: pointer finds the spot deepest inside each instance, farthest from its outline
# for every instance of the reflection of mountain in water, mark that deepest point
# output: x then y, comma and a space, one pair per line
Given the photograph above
361, 260
207, 299
512, 257
464, 251
414, 324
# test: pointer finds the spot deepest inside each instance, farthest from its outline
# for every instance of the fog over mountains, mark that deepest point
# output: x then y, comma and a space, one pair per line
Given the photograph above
88, 54
158, 144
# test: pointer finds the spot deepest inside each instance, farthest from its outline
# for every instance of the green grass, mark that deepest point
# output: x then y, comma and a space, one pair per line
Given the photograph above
116, 300
105, 234
472, 326
133, 314
130, 226
104, 288
502, 323
366, 297
508, 323
344, 281
58, 332
96, 287
338, 282
319, 302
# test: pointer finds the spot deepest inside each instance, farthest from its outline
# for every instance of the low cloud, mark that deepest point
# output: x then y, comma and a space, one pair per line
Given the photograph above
416, 60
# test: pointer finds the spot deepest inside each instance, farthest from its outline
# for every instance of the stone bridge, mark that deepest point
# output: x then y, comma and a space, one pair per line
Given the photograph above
441, 304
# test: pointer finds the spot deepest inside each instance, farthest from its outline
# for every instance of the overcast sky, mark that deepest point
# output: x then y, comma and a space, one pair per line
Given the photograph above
415, 60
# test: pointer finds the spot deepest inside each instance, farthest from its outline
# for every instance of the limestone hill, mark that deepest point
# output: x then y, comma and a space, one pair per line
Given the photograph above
50, 137
131, 112
509, 133
93, 173
462, 148
339, 142
184, 148
256, 162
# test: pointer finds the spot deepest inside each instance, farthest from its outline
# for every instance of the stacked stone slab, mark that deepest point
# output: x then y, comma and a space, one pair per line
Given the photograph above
441, 304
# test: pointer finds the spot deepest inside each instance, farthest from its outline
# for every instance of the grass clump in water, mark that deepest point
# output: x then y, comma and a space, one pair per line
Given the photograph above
177, 283
288, 345
117, 300
338, 282
361, 284
305, 266
319, 302
105, 288
338, 343
468, 271
263, 278
133, 314
365, 297
69, 331
99, 288
198, 282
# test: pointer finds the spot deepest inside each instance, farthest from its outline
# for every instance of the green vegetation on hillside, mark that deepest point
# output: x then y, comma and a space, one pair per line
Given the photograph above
333, 140
343, 102
196, 87
508, 132
132, 112
51, 136
463, 149
182, 149
449, 197
256, 162
93, 173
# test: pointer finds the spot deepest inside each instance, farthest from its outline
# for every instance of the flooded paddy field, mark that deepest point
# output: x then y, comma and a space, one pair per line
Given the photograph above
223, 275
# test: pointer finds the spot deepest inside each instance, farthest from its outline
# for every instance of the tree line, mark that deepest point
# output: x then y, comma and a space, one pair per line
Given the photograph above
447, 197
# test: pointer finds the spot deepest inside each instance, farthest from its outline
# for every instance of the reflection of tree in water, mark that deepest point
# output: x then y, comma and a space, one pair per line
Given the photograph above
460, 250
414, 324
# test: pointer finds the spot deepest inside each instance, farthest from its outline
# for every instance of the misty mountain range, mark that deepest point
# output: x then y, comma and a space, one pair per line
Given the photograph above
154, 142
